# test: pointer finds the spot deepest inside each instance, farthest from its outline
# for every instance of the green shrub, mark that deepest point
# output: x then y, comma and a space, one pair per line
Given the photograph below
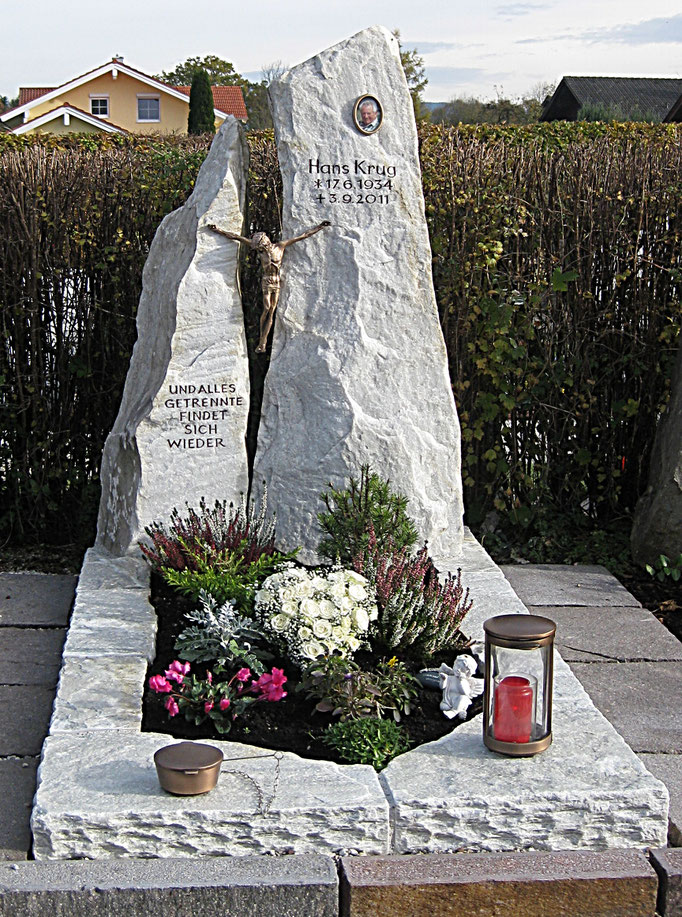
351, 512
366, 741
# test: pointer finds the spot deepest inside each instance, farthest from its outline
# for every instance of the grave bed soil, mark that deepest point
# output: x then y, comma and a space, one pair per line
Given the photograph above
291, 724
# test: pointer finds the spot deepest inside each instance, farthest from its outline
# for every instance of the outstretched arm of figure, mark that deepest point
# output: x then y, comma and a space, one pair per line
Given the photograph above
229, 235
305, 235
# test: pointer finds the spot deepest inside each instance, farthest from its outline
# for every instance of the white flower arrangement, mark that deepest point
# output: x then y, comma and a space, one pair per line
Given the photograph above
313, 613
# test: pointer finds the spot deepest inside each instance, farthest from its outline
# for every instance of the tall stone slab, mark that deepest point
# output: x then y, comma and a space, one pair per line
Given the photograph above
657, 526
358, 370
181, 428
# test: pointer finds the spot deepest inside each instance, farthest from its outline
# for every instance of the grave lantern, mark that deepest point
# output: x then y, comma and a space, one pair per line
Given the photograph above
517, 706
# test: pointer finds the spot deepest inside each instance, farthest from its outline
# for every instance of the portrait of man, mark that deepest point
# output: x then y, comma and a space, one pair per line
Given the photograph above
368, 114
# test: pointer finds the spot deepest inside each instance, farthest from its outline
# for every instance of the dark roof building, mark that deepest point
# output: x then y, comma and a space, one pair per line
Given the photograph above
642, 98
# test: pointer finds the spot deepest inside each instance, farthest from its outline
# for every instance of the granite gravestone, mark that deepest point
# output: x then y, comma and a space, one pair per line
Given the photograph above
180, 431
358, 370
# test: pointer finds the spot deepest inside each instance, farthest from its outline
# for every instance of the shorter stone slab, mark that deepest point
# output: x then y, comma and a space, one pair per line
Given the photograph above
615, 883
602, 634
668, 769
492, 595
36, 599
111, 804
112, 622
24, 717
643, 700
99, 693
101, 570
17, 786
587, 791
30, 656
289, 886
556, 584
668, 865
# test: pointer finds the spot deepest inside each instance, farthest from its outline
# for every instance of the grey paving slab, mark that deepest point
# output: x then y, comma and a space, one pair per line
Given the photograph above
557, 584
642, 700
30, 656
25, 712
601, 634
17, 786
668, 769
668, 865
36, 599
249, 886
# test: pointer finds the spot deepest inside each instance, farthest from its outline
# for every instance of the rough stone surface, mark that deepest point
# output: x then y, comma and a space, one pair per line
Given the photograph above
588, 790
358, 370
657, 525
17, 786
101, 570
112, 622
24, 717
554, 584
668, 769
643, 700
35, 599
668, 865
111, 805
97, 694
575, 884
290, 886
30, 656
188, 381
601, 634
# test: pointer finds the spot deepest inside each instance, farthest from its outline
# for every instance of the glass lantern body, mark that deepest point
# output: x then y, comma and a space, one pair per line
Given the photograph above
517, 708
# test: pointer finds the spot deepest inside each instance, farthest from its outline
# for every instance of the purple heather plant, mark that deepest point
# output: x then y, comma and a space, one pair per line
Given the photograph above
416, 610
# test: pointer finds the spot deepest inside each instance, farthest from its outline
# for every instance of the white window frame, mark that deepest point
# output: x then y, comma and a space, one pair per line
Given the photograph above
99, 97
141, 96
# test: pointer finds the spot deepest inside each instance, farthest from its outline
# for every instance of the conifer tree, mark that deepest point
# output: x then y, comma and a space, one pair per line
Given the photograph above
201, 118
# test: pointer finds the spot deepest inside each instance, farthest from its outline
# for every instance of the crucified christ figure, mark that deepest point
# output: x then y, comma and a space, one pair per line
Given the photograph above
271, 254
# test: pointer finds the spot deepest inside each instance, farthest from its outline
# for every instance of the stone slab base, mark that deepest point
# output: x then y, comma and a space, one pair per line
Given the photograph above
668, 865
619, 883
98, 795
241, 887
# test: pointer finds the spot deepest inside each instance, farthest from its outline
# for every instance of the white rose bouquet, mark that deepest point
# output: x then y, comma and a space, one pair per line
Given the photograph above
313, 613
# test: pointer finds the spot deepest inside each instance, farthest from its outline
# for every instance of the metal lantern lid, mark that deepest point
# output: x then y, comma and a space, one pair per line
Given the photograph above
522, 631
188, 756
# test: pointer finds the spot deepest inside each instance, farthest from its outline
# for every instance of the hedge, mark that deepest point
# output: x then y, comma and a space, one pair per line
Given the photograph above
557, 268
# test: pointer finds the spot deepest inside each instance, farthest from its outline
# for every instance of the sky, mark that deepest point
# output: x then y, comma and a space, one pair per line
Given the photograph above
482, 49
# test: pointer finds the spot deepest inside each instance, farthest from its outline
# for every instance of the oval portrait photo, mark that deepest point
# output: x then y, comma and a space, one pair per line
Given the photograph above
368, 114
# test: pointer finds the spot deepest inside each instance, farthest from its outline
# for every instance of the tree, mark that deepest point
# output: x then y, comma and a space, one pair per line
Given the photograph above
415, 74
201, 118
220, 72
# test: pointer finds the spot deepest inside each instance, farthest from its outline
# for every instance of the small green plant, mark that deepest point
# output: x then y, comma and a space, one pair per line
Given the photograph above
366, 741
220, 633
665, 568
346, 691
366, 503
226, 577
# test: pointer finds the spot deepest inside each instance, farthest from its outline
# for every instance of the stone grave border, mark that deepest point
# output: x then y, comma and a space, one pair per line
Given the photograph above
98, 795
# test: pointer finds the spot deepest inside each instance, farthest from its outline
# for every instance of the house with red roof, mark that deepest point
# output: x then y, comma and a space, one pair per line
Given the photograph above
113, 98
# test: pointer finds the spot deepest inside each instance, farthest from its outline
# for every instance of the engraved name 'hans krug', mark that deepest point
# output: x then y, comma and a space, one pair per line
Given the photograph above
359, 167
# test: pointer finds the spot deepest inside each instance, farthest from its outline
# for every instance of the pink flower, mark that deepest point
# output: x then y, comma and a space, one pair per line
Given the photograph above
243, 675
171, 706
209, 677
159, 684
177, 671
208, 706
275, 694
269, 685
224, 703
278, 677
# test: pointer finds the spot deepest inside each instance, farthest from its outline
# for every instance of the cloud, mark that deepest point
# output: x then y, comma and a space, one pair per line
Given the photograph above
512, 10
431, 47
662, 30
439, 75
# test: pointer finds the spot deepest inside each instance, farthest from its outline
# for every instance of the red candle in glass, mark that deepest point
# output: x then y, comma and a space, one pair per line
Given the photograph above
513, 709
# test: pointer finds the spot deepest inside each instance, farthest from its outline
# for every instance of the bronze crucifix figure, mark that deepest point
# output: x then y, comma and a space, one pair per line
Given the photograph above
271, 255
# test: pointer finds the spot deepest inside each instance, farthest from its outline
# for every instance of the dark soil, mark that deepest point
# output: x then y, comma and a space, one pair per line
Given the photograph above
664, 598
291, 724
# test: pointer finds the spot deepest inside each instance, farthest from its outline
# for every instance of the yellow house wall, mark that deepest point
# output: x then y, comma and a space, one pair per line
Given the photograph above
57, 126
123, 92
